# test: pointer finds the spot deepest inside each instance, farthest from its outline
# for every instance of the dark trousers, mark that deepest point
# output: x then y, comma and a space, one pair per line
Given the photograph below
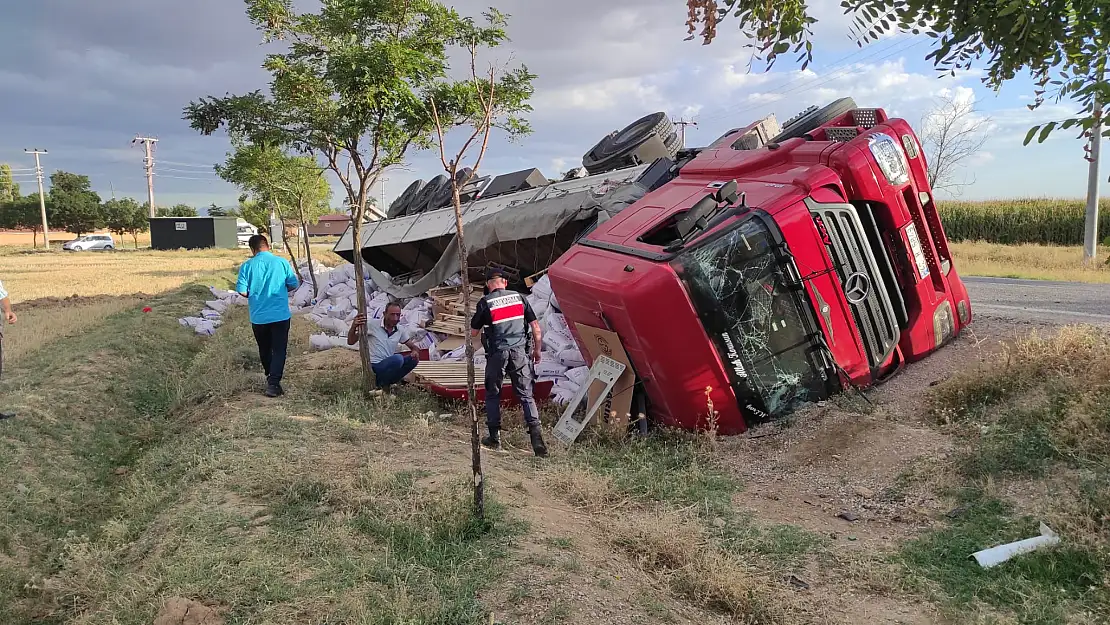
518, 365
273, 343
393, 369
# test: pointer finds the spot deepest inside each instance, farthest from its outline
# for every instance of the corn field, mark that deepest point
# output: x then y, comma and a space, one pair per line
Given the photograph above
1035, 220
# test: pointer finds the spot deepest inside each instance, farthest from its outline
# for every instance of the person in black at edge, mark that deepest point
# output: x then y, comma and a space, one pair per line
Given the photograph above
504, 317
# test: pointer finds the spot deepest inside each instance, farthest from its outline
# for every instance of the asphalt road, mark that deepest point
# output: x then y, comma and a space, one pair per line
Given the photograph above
1040, 301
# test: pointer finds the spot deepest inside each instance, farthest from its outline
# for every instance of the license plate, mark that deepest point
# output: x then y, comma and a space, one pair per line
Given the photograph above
918, 252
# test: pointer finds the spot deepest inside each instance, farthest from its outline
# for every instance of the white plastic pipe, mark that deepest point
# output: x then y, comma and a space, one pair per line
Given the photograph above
997, 555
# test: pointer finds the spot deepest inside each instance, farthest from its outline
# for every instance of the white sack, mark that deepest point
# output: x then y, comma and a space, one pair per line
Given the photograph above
571, 357
303, 295
557, 341
556, 322
320, 342
340, 308
539, 306
210, 315
566, 386
578, 375
217, 305
542, 288
205, 328
549, 368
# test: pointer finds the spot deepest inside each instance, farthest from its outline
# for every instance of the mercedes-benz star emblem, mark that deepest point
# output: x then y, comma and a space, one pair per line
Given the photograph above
857, 287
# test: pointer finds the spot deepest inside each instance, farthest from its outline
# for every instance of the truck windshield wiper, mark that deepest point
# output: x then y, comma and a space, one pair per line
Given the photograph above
702, 214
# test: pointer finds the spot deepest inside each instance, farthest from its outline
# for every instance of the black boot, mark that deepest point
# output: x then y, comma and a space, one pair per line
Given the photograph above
493, 441
538, 445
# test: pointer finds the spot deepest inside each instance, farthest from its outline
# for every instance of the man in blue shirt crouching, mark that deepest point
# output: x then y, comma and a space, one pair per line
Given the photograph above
266, 280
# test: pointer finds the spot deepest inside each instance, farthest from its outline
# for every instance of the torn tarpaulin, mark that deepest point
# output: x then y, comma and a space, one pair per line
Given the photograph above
530, 221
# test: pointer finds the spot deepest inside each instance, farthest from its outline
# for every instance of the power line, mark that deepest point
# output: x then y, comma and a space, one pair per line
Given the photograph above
187, 164
682, 124
213, 179
42, 196
148, 164
183, 171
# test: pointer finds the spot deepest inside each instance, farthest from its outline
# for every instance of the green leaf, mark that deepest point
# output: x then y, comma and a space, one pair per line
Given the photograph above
1045, 131
781, 47
1029, 136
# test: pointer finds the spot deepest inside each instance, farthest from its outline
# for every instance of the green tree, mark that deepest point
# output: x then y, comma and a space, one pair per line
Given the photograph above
9, 188
480, 104
24, 213
254, 212
1063, 45
216, 211
177, 210
126, 216
76, 206
293, 185
353, 89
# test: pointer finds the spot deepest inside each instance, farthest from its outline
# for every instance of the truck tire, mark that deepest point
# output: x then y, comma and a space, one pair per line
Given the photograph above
420, 202
397, 208
442, 197
612, 151
810, 120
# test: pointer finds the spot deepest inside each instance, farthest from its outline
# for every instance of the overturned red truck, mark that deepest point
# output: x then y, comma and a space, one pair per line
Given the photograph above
775, 267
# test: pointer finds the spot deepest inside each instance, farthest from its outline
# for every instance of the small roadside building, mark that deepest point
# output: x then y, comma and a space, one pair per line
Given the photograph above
329, 226
171, 233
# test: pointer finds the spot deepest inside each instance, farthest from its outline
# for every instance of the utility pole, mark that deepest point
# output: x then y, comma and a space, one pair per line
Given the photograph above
1090, 228
384, 180
148, 164
682, 124
42, 197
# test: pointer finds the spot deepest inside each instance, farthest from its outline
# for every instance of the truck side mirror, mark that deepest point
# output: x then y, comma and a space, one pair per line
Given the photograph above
727, 193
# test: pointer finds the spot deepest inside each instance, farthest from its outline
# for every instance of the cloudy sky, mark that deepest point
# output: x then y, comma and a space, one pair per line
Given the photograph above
82, 79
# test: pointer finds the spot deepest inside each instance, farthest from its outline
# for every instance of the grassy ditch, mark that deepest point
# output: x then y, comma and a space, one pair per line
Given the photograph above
667, 506
1035, 428
156, 475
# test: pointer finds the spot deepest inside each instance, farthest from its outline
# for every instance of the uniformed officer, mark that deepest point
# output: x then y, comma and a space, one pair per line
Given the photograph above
504, 318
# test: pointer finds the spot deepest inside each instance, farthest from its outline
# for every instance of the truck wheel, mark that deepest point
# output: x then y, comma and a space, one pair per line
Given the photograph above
397, 208
613, 149
420, 202
442, 198
811, 119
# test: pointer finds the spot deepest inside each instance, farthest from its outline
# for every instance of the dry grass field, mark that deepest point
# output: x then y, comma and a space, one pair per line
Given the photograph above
1030, 261
30, 276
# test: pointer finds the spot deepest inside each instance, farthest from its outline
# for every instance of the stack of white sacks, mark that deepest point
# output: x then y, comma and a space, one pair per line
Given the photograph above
333, 309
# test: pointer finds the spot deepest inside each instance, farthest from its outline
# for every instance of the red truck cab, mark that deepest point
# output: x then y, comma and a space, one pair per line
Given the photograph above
770, 274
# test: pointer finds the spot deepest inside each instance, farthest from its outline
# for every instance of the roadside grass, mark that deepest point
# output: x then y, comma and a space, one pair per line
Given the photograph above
1028, 261
48, 323
667, 505
1036, 431
155, 471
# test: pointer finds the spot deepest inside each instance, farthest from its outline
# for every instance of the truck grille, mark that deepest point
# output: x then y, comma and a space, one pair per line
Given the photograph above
858, 271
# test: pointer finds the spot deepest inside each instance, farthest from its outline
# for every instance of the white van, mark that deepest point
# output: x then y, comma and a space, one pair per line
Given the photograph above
246, 231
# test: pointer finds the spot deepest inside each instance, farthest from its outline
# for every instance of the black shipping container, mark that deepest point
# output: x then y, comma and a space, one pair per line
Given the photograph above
171, 233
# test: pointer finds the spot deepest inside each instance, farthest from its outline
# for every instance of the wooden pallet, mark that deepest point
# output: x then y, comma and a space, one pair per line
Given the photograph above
449, 374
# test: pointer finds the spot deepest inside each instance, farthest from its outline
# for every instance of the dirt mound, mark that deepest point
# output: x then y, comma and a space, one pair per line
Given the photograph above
181, 611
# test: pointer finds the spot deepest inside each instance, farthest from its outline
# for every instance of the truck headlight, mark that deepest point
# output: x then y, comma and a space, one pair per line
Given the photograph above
943, 323
890, 157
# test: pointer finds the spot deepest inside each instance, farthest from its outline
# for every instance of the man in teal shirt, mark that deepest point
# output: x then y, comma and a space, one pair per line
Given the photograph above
266, 280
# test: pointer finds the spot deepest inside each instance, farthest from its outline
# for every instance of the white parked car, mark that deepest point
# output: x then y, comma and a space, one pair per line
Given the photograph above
91, 242
246, 231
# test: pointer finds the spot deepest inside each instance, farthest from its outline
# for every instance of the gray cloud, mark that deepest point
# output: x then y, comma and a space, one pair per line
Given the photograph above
81, 78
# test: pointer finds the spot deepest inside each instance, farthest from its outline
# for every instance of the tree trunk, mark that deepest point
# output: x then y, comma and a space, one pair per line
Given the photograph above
135, 238
34, 238
471, 387
357, 211
285, 240
308, 250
